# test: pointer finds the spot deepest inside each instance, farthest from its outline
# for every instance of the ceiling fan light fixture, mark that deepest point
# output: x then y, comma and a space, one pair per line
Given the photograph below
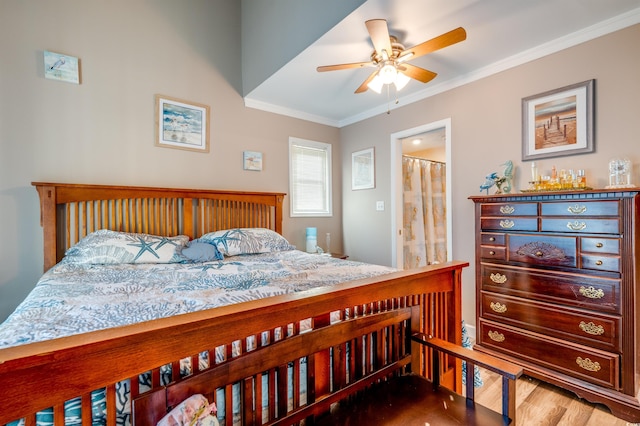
376, 84
401, 80
388, 73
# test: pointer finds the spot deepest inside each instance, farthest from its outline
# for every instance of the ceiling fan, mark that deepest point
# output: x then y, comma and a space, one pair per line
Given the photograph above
390, 56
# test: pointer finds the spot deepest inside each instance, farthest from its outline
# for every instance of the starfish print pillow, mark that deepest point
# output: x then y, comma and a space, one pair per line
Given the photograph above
111, 247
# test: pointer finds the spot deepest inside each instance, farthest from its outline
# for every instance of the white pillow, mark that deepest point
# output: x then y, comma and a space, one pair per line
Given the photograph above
110, 247
233, 242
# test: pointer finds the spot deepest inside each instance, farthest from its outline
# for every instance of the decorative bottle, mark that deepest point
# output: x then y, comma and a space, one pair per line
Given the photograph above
312, 240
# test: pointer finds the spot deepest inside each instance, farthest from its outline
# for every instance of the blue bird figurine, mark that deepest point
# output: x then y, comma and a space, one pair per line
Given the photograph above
490, 180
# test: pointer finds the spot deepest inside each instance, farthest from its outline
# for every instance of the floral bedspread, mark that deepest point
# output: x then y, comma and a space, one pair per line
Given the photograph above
71, 298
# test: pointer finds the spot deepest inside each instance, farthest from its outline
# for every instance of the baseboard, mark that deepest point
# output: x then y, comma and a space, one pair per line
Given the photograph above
471, 331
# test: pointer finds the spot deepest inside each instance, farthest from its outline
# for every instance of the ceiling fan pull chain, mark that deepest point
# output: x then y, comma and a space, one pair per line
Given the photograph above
388, 100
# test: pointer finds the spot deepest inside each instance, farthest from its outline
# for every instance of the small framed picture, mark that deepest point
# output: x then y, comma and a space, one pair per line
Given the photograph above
363, 169
61, 67
181, 124
252, 160
558, 122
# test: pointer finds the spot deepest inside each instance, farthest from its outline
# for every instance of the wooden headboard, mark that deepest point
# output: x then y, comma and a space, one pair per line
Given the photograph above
68, 212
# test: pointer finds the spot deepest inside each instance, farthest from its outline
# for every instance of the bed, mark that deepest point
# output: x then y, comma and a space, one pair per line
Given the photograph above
97, 370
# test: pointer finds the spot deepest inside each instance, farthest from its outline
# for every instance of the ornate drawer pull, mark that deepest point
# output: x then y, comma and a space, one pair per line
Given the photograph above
507, 209
492, 252
599, 262
495, 336
591, 292
587, 364
591, 328
576, 226
577, 209
492, 238
498, 307
539, 253
599, 245
498, 278
507, 223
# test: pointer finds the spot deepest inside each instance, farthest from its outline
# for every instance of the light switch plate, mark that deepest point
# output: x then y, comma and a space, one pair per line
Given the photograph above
380, 206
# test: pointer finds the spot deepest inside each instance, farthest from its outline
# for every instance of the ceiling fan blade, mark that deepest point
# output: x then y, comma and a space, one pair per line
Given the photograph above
437, 43
364, 86
417, 73
343, 66
379, 33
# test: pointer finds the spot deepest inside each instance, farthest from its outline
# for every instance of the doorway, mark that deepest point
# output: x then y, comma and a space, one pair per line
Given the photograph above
434, 135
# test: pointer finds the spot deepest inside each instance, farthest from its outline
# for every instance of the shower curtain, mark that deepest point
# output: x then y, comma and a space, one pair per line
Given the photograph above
424, 207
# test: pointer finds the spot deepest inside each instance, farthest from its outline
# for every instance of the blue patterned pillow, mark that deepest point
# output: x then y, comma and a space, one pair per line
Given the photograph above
201, 252
111, 247
233, 242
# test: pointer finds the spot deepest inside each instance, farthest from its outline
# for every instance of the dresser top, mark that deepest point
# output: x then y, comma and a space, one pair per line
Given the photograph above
558, 195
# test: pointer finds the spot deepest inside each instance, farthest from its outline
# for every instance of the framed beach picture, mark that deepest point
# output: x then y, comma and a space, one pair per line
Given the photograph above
181, 124
61, 67
558, 122
252, 160
363, 169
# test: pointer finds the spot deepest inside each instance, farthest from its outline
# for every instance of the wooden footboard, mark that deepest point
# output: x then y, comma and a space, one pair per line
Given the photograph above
41, 375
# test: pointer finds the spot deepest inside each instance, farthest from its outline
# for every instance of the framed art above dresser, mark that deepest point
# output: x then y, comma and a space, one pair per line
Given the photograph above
557, 287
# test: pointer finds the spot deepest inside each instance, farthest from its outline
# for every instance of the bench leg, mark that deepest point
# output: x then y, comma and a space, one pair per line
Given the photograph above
509, 400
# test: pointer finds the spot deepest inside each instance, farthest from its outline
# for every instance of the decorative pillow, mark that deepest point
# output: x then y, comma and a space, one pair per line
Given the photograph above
193, 411
232, 242
201, 252
110, 247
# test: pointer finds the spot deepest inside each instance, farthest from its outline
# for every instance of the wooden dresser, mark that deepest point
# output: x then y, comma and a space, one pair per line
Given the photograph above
557, 289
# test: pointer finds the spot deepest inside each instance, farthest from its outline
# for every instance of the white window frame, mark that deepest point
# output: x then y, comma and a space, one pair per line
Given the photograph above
293, 200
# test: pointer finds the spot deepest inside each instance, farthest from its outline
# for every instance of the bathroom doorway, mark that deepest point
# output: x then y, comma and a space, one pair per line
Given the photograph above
427, 147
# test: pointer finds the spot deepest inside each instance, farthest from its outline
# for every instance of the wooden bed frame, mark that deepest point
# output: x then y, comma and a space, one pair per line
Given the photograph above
46, 374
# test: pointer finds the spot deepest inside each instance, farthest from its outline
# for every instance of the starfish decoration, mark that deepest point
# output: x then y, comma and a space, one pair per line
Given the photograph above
164, 240
144, 246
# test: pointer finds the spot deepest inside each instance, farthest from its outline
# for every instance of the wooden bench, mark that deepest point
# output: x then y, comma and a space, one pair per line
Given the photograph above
352, 372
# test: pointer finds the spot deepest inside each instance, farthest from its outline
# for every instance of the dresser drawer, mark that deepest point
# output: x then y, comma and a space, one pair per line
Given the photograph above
581, 208
492, 238
600, 294
589, 364
496, 253
600, 263
511, 224
509, 209
600, 245
585, 226
584, 327
543, 250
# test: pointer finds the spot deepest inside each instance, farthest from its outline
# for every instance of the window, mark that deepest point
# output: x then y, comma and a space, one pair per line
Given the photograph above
309, 178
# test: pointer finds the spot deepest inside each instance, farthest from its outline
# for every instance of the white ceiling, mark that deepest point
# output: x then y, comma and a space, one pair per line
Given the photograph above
500, 34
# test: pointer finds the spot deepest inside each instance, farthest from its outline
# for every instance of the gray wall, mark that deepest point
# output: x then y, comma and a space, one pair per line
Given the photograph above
102, 131
486, 131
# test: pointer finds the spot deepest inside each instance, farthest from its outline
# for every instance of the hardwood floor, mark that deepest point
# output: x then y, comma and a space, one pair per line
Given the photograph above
541, 404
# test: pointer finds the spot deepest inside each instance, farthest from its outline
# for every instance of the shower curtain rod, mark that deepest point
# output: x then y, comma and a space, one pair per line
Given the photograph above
425, 159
